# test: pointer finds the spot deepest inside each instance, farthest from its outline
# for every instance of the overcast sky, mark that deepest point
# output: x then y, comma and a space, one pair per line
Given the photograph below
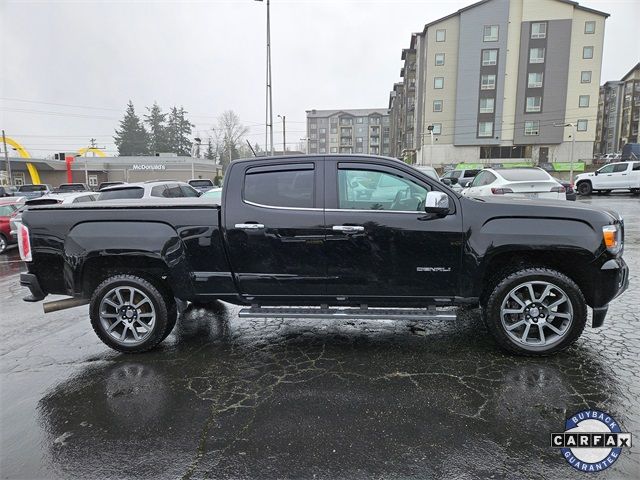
69, 68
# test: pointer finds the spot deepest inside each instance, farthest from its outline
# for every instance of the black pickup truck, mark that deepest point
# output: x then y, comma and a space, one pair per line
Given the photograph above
330, 236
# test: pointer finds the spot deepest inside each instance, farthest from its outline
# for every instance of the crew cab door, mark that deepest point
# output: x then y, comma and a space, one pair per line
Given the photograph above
380, 242
274, 227
614, 175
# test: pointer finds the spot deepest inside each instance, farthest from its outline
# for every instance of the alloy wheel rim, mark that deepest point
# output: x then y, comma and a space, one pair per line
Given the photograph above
127, 315
536, 314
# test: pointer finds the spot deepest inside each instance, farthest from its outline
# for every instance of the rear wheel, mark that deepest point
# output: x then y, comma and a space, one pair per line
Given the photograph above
535, 311
3, 243
130, 314
584, 188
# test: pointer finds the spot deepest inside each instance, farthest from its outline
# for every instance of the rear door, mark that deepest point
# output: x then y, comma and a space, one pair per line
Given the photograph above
380, 242
274, 228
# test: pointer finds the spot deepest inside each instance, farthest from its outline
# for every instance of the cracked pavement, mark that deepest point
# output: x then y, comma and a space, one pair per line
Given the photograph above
230, 398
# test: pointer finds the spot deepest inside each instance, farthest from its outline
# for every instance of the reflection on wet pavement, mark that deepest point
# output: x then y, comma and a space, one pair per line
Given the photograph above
231, 398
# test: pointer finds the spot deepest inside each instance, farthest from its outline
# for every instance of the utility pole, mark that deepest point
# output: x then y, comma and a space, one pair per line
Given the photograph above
268, 134
573, 143
6, 157
284, 133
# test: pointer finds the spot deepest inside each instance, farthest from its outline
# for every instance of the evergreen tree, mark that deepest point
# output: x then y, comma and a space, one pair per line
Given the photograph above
179, 132
132, 138
210, 153
157, 129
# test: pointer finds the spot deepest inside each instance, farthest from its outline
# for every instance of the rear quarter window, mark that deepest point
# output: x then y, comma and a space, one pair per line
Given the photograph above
289, 188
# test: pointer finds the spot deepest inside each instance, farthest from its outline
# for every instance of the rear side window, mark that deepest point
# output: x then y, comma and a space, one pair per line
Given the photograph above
292, 188
636, 166
159, 191
120, 193
173, 191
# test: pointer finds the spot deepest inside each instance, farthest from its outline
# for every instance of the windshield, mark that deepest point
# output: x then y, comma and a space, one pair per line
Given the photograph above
32, 188
523, 174
215, 195
120, 193
43, 201
71, 186
6, 210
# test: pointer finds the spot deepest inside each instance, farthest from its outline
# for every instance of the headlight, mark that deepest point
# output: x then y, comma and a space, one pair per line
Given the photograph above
612, 238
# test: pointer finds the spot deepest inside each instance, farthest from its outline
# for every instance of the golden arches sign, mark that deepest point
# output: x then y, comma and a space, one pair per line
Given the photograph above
97, 151
35, 177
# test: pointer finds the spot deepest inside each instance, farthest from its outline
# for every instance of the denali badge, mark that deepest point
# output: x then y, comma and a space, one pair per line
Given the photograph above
433, 269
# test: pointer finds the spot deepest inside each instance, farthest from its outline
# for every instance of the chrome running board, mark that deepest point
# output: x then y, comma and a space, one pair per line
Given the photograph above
348, 312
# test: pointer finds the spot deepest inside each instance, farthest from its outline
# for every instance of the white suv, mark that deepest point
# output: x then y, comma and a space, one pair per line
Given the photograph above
614, 176
154, 189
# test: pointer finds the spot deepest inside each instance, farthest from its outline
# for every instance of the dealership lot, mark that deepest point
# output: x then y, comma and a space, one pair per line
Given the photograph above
225, 397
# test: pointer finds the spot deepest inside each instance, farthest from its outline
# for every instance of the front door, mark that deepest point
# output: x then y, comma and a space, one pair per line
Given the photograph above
274, 225
380, 242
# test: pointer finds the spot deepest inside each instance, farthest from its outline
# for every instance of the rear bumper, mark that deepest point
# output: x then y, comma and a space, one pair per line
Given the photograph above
30, 281
613, 280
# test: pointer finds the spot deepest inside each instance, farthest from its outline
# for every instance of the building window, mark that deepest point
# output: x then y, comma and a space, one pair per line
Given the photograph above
441, 35
534, 104
532, 127
437, 128
486, 105
582, 125
488, 82
334, 140
489, 57
534, 80
539, 30
536, 55
334, 150
490, 33
485, 129
587, 52
585, 77
334, 130
589, 27
360, 120
437, 105
583, 101
438, 82
359, 140
439, 59
323, 150
93, 180
358, 149
313, 126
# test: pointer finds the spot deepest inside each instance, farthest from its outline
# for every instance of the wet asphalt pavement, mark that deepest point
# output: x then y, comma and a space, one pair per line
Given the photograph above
230, 398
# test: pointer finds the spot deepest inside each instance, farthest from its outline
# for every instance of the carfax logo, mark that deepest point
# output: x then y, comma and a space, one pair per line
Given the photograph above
592, 441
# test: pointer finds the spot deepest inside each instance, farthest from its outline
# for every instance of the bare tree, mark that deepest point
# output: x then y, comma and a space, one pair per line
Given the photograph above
228, 137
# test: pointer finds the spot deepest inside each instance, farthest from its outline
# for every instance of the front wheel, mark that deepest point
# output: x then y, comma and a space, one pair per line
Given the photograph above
535, 311
3, 243
130, 314
584, 188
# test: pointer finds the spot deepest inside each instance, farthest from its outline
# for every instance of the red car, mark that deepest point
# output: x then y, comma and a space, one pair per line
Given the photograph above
7, 209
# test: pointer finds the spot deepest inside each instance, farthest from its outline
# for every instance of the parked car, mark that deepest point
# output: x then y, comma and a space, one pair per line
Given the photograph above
51, 199
430, 171
290, 232
522, 182
8, 208
461, 176
614, 176
72, 187
109, 184
215, 195
158, 189
201, 184
630, 152
34, 191
570, 191
8, 191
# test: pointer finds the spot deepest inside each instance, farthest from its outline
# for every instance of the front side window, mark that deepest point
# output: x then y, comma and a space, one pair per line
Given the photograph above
291, 188
534, 80
488, 82
583, 101
538, 30
485, 129
534, 104
585, 77
188, 191
582, 125
490, 33
606, 169
438, 82
441, 35
489, 57
532, 127
439, 59
486, 105
536, 55
371, 190
587, 52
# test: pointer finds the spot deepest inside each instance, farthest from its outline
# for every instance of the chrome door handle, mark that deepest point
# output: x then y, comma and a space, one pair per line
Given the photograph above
348, 228
249, 226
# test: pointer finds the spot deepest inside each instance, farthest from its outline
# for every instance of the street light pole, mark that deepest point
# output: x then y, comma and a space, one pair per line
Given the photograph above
573, 143
268, 133
6, 157
284, 133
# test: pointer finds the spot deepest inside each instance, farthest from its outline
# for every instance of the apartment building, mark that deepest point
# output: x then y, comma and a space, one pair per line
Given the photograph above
495, 79
365, 130
618, 113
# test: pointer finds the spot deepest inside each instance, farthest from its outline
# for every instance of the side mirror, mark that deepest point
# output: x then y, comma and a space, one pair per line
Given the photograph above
454, 180
437, 202
200, 193
596, 173
467, 185
446, 181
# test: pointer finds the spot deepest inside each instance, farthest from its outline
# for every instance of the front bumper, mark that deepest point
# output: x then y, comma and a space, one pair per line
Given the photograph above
614, 279
30, 281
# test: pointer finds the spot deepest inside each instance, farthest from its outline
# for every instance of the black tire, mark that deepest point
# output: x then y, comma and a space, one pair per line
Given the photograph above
584, 188
491, 310
164, 313
605, 192
172, 318
635, 191
3, 243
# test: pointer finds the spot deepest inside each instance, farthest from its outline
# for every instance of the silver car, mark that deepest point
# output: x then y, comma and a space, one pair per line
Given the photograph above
152, 189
